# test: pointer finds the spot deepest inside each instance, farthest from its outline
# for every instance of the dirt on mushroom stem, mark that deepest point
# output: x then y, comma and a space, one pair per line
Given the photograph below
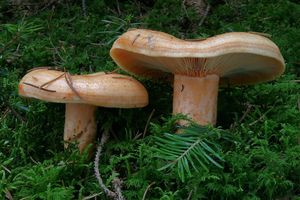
80, 124
196, 97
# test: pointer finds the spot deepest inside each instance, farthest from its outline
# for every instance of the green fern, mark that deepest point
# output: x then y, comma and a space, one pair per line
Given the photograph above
195, 148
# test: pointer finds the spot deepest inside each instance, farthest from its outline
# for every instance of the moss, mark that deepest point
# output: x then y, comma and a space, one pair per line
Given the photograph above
262, 163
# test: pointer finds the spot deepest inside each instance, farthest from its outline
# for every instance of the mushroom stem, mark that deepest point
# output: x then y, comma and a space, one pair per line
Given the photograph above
196, 97
80, 124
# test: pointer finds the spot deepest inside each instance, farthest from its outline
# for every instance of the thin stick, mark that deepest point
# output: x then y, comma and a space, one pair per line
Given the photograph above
84, 7
16, 114
136, 37
117, 183
258, 120
262, 116
249, 106
38, 87
4, 114
6, 169
147, 189
148, 121
118, 8
11, 42
51, 81
8, 195
70, 83
107, 191
35, 162
91, 196
190, 195
113, 71
205, 14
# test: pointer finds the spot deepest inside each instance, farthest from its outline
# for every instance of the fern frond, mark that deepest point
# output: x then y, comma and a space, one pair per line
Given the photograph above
192, 150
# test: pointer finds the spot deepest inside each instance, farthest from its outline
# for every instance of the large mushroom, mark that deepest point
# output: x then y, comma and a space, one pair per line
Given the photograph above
82, 94
236, 58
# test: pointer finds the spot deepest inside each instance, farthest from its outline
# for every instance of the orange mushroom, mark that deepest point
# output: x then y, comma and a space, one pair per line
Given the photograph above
198, 66
82, 94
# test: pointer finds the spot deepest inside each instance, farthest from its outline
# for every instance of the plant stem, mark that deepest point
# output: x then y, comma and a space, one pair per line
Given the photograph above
117, 194
104, 138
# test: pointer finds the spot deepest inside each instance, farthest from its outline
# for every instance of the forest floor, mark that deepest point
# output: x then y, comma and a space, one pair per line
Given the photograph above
261, 160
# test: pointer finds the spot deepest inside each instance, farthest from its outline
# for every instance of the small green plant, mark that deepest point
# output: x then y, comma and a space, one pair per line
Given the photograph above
116, 26
194, 147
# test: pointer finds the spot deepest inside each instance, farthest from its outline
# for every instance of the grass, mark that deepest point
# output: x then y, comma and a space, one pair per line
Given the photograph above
263, 162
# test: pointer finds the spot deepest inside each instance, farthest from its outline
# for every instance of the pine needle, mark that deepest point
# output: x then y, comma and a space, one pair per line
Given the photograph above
194, 149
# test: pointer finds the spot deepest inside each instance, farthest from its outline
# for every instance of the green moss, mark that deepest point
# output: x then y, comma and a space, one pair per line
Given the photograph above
262, 163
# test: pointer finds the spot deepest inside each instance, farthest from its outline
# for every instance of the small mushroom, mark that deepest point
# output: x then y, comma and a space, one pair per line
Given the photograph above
82, 94
199, 66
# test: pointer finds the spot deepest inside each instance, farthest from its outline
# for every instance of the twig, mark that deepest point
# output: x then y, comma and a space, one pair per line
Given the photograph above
190, 195
6, 169
11, 42
113, 71
107, 191
16, 114
56, 52
262, 116
297, 81
8, 195
84, 7
44, 6
205, 14
91, 196
70, 83
117, 183
118, 7
35, 162
68, 79
136, 37
147, 189
4, 114
137, 136
184, 8
51, 81
148, 121
259, 119
249, 106
47, 90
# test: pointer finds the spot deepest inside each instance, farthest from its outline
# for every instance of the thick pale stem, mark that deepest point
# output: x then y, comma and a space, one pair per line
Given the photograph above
196, 97
80, 124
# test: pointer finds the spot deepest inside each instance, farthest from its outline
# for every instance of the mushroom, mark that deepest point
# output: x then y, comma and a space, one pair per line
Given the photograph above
199, 66
82, 94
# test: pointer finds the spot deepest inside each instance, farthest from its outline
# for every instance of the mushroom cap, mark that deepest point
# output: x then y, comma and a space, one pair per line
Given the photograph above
237, 58
99, 89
